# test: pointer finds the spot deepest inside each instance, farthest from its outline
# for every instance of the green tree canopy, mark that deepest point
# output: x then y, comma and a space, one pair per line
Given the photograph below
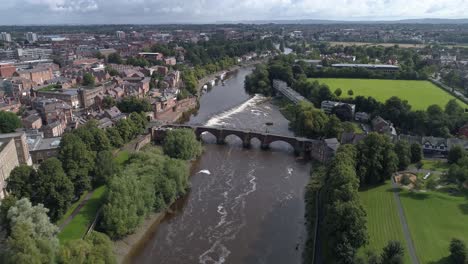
416, 153
53, 188
403, 153
181, 144
376, 159
20, 182
88, 80
9, 122
458, 251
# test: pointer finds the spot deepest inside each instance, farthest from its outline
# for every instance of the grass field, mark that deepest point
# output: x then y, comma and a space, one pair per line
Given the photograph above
79, 225
71, 209
383, 222
434, 218
420, 94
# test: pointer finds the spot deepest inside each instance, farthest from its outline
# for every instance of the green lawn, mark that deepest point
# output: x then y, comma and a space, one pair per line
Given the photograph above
79, 225
71, 209
434, 218
383, 223
122, 157
420, 94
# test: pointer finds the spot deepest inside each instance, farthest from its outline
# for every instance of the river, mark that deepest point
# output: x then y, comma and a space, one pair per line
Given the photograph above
245, 205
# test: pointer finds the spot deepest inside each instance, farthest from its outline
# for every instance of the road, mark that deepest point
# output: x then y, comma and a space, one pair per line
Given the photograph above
404, 224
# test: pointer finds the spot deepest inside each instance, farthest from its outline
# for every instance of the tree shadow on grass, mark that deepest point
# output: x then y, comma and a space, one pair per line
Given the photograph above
370, 187
394, 189
415, 195
463, 208
445, 260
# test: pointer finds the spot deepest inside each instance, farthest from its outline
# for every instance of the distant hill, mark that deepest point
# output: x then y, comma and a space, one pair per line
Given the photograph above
330, 22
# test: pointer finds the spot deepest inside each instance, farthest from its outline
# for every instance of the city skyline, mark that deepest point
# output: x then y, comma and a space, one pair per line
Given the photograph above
27, 12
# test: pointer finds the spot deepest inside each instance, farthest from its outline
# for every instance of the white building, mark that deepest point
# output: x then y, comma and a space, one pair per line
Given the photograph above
120, 34
5, 37
36, 53
31, 37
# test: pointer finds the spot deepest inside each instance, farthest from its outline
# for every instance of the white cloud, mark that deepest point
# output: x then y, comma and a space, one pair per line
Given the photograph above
141, 11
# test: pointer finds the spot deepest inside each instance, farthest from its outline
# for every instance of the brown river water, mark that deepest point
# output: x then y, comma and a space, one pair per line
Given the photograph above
244, 205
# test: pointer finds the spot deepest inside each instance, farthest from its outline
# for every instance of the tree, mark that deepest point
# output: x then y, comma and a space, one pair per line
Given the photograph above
88, 80
78, 162
452, 108
350, 92
5, 206
338, 92
33, 238
181, 144
455, 153
393, 253
376, 159
458, 251
114, 58
20, 181
114, 137
95, 248
334, 127
416, 153
9, 122
403, 152
108, 102
126, 204
53, 188
105, 168
132, 104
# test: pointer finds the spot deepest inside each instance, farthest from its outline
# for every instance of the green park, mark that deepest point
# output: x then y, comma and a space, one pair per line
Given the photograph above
419, 94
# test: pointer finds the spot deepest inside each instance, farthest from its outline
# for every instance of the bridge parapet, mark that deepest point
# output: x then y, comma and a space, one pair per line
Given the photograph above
306, 148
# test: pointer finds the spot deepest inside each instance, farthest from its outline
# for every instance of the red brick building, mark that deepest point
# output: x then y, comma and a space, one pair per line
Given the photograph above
7, 70
463, 131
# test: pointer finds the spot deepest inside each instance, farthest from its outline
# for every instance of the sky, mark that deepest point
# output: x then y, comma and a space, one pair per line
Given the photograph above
16, 12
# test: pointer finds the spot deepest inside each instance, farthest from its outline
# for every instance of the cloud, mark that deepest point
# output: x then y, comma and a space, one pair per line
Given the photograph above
203, 11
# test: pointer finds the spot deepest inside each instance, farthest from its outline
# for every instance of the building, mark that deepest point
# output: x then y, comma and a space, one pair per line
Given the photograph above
42, 148
151, 55
36, 53
55, 129
329, 106
362, 117
33, 121
31, 37
69, 96
87, 96
120, 34
8, 54
8, 161
170, 61
383, 126
5, 37
377, 67
463, 131
7, 70
22, 149
38, 75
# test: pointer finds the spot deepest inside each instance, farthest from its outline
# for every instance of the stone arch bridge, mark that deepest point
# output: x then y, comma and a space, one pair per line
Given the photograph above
306, 148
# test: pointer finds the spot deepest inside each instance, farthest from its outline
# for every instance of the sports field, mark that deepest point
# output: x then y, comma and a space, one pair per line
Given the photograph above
383, 223
434, 218
420, 94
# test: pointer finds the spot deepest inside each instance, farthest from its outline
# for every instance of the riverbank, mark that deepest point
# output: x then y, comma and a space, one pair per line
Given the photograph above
212, 76
124, 248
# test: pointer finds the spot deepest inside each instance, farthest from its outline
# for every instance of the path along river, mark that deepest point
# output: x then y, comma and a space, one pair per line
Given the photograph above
245, 205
